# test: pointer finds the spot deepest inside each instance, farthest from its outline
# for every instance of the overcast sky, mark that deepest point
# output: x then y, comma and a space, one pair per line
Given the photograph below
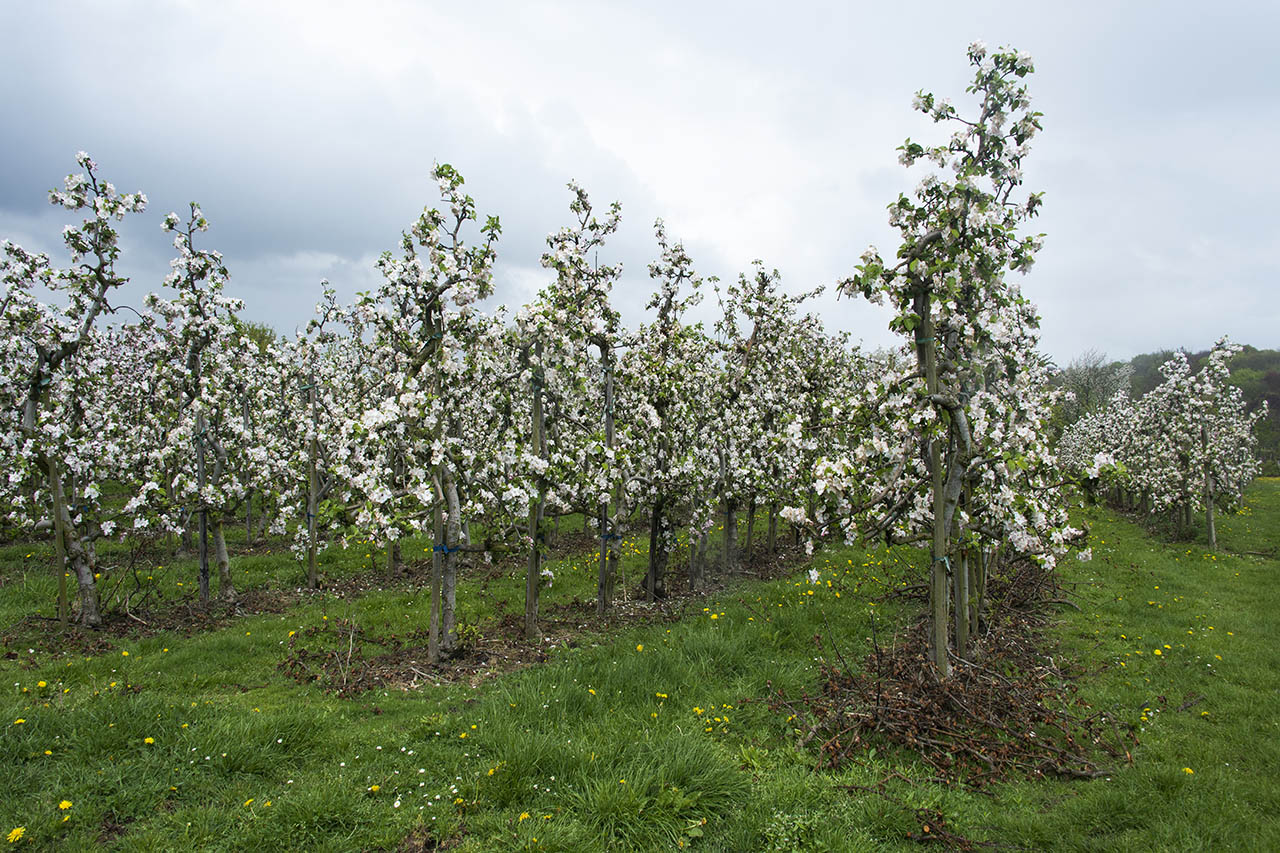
756, 130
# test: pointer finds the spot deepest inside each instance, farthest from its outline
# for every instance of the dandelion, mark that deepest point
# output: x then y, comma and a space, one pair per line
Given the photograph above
124, 654
248, 802
19, 721
524, 816
41, 684
64, 805
148, 740
16, 833
375, 788
1188, 770
639, 647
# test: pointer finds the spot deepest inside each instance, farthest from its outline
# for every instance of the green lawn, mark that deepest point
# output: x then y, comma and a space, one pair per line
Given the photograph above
644, 738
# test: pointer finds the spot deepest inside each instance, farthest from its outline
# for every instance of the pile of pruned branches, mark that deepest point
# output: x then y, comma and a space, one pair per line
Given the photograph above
1012, 710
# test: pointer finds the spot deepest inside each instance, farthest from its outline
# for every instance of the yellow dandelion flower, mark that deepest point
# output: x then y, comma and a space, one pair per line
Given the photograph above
524, 816
148, 740
16, 834
1188, 770
248, 801
42, 684
64, 805
375, 788
639, 647
19, 721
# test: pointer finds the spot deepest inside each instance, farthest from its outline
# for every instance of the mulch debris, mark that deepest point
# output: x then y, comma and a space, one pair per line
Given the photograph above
1012, 709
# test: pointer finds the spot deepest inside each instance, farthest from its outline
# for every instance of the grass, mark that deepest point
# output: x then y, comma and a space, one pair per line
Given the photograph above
647, 738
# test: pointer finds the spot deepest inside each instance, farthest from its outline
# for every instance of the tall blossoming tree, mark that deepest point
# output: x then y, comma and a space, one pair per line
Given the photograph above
406, 466
43, 339
662, 397
971, 332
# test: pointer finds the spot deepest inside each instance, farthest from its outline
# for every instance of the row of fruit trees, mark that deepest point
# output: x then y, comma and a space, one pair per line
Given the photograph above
1189, 445
415, 410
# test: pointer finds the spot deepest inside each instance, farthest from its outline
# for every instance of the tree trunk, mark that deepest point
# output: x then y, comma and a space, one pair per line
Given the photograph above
313, 492
697, 560
981, 568
751, 529
449, 572
533, 580
773, 529
203, 511
248, 495
604, 577
59, 543
1208, 490
437, 575
81, 563
394, 565
730, 535
608, 530
655, 577
961, 582
938, 567
226, 586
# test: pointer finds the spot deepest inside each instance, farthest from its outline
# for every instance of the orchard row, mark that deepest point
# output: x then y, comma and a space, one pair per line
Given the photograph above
1186, 446
412, 410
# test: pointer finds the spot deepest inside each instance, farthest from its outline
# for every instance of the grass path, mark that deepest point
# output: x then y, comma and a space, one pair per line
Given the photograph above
642, 740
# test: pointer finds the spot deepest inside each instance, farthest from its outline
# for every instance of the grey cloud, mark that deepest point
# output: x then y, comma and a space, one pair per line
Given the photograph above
307, 137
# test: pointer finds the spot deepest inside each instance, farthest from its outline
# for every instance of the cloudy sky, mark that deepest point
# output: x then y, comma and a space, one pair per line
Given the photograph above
756, 130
